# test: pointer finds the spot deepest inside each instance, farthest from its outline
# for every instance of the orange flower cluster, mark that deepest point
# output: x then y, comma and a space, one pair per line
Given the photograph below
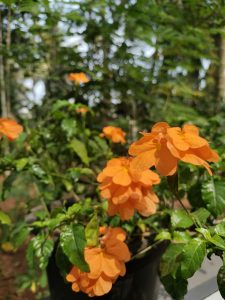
116, 134
10, 128
127, 189
165, 146
78, 78
106, 264
82, 110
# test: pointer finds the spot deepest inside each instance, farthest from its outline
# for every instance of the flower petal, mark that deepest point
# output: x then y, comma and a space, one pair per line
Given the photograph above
149, 178
10, 128
102, 286
142, 145
93, 257
187, 128
207, 153
122, 177
195, 160
144, 160
166, 163
195, 141
109, 267
177, 138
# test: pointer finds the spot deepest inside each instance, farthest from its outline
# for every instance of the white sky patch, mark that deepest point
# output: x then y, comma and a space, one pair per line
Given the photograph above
35, 90
202, 73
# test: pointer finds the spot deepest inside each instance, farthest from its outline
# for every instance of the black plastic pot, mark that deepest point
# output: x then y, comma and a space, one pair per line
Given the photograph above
140, 282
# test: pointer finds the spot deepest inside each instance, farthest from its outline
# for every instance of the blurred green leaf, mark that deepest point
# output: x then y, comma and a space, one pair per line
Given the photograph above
20, 234
221, 281
91, 231
213, 194
220, 229
59, 105
181, 236
21, 163
163, 235
80, 149
4, 218
69, 126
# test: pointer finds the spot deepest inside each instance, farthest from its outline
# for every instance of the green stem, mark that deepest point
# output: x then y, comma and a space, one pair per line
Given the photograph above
145, 250
45, 206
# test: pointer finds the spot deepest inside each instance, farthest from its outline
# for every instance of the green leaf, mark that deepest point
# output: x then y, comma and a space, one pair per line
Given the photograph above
102, 144
192, 258
220, 229
69, 126
43, 249
181, 236
62, 262
87, 172
73, 242
176, 287
68, 185
74, 209
80, 149
7, 184
163, 235
221, 281
4, 218
74, 173
180, 219
213, 194
91, 231
20, 235
216, 240
21, 163
38, 171
115, 221
170, 261
29, 6
30, 255
201, 215
60, 104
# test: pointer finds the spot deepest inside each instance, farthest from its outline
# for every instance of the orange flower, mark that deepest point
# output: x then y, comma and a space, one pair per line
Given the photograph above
10, 128
78, 78
82, 110
106, 263
164, 146
116, 134
127, 189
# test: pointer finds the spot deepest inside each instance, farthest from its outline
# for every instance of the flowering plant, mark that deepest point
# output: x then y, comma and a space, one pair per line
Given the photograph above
90, 203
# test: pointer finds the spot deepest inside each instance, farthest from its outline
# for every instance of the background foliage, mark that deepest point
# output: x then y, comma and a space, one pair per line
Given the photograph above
148, 60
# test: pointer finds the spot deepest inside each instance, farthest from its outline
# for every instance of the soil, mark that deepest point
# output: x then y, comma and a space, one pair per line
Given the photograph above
11, 265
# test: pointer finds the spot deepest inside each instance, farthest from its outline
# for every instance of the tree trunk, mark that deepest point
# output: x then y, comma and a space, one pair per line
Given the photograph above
2, 77
221, 84
7, 63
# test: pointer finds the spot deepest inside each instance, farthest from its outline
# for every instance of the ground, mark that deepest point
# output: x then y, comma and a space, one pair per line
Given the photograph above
11, 265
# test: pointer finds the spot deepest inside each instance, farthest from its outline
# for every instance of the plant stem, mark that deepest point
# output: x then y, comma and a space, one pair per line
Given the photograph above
145, 250
45, 206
